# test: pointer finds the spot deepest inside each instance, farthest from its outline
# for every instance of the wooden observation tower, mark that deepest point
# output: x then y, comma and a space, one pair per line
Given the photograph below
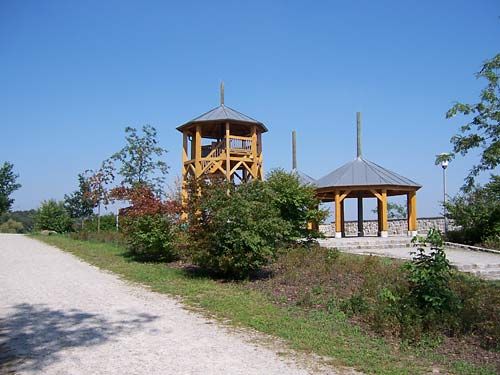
222, 142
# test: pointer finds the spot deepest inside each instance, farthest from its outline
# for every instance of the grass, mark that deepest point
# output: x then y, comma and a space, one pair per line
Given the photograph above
327, 333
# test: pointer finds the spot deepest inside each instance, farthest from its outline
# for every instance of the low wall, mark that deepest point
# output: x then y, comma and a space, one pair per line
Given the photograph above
397, 227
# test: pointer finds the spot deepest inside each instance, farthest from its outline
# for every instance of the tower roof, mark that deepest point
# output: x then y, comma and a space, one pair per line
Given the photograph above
362, 172
223, 113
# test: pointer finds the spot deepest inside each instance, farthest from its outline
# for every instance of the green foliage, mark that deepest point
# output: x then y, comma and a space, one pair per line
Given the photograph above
477, 211
11, 226
79, 204
141, 160
234, 230
26, 218
296, 202
429, 275
394, 211
482, 129
105, 223
8, 184
151, 237
53, 216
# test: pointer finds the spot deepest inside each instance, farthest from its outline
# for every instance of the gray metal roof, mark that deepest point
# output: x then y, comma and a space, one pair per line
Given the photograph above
304, 179
224, 113
361, 172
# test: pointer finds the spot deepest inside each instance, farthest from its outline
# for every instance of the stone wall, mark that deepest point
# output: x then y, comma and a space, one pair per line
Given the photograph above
397, 227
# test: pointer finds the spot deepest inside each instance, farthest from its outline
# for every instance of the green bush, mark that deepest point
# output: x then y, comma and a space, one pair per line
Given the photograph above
235, 230
11, 226
26, 218
297, 203
477, 212
151, 237
429, 275
108, 223
53, 216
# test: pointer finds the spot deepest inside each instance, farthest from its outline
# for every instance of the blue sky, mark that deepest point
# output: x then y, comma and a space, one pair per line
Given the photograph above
74, 74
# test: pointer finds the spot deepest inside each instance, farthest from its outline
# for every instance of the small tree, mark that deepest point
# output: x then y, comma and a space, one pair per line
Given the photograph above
394, 211
79, 204
141, 160
483, 129
53, 216
98, 192
8, 184
296, 202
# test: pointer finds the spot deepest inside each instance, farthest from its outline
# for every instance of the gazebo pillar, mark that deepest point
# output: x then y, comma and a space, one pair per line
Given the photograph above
342, 218
384, 231
338, 215
412, 213
361, 232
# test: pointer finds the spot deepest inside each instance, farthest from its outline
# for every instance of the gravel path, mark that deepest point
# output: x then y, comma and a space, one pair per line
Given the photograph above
59, 315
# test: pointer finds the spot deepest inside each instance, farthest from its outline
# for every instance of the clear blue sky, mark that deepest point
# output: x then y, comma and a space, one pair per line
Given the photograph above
74, 74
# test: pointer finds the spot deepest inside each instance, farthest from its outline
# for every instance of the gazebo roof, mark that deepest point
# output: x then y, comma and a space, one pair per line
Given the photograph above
304, 179
223, 113
361, 172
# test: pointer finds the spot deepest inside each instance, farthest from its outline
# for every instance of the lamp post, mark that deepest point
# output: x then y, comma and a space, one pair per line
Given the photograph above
444, 165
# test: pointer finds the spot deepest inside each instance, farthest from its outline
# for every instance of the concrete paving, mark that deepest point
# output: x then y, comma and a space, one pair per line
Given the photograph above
483, 264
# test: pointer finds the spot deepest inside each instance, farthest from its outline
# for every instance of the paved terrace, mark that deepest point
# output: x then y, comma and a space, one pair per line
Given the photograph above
483, 264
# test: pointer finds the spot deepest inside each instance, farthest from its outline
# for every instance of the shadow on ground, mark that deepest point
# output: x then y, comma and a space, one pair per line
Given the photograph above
33, 336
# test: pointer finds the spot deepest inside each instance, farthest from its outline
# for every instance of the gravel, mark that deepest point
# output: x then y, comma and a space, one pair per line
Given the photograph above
59, 315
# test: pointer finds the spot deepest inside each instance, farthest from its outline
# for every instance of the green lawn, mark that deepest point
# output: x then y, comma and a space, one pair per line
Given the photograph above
320, 332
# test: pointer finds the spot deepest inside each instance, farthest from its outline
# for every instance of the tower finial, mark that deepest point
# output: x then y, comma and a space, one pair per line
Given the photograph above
294, 150
222, 93
358, 133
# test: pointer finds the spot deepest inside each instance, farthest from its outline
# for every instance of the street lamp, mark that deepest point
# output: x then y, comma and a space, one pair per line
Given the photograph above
444, 159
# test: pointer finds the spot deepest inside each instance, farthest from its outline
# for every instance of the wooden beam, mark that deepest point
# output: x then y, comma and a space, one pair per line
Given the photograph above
377, 195
228, 152
412, 211
344, 195
338, 216
197, 152
385, 226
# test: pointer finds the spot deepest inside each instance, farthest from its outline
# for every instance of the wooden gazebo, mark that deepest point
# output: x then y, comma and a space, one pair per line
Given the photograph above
360, 179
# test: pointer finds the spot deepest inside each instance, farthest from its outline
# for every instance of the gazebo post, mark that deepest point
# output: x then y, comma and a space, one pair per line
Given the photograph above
361, 232
379, 216
342, 218
384, 232
412, 213
338, 214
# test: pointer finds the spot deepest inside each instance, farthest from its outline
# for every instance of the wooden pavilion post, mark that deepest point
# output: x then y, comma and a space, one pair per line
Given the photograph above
255, 163
412, 213
197, 152
379, 216
342, 218
228, 153
184, 193
385, 227
338, 215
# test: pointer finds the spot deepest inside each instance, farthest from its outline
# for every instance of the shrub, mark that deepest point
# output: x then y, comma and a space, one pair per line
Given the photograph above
151, 237
11, 226
234, 230
429, 276
477, 211
53, 216
26, 218
108, 223
296, 202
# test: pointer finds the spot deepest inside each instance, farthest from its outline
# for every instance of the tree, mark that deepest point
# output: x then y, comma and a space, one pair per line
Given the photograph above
140, 160
477, 212
98, 192
482, 130
78, 204
8, 184
394, 211
53, 216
